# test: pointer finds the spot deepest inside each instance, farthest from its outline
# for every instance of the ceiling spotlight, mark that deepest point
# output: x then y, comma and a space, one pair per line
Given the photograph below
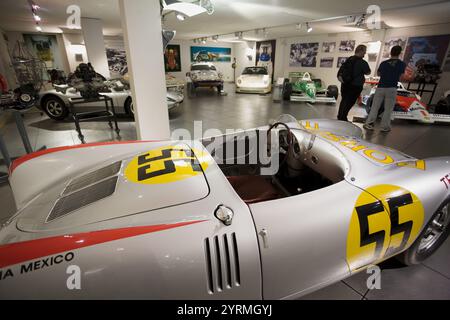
240, 36
204, 41
36, 18
215, 38
308, 27
181, 16
38, 28
34, 6
298, 26
194, 40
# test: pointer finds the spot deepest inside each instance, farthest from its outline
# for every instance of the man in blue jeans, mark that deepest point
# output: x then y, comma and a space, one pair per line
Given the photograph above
389, 72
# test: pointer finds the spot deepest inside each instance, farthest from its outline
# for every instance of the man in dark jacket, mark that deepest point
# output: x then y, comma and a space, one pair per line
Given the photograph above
352, 86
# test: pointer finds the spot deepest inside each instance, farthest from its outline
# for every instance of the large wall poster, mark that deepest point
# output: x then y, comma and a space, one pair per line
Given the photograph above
45, 47
117, 58
304, 54
172, 58
265, 55
424, 50
210, 54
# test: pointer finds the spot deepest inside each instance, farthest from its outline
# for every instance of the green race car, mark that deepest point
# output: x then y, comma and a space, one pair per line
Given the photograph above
300, 87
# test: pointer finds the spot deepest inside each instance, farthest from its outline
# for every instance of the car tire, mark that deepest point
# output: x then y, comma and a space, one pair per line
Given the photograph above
333, 92
129, 107
287, 90
55, 108
430, 239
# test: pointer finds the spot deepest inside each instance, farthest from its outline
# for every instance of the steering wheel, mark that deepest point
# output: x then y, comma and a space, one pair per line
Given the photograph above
292, 147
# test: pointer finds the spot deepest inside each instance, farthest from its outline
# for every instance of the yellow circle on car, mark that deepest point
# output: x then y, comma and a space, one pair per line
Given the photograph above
166, 164
386, 220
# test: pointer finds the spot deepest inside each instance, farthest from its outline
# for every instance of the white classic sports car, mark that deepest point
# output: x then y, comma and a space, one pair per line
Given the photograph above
204, 74
54, 102
254, 80
214, 219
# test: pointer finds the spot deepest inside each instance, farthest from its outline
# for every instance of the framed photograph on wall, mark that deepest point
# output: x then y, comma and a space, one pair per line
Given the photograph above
326, 62
172, 58
328, 47
304, 54
341, 60
347, 46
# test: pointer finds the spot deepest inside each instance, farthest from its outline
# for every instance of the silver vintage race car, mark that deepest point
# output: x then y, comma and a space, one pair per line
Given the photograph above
55, 101
191, 220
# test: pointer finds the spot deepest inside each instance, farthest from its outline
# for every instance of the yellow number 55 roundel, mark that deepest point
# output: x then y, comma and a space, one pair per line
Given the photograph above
166, 164
386, 219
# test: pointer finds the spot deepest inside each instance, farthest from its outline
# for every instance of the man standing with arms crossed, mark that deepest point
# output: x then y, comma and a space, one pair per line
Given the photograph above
390, 72
351, 75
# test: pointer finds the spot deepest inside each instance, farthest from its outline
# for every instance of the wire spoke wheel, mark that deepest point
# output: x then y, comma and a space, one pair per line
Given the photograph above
435, 229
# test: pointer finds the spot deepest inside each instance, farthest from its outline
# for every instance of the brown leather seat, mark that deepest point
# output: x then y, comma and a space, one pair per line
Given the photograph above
253, 189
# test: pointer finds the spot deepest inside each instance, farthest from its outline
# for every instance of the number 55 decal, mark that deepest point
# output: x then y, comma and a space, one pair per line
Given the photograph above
386, 220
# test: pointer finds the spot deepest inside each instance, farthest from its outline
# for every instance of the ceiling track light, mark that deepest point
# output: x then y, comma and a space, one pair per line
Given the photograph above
308, 28
38, 28
36, 17
298, 26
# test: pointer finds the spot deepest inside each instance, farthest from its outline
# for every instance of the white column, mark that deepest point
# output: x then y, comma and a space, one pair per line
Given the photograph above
95, 44
141, 24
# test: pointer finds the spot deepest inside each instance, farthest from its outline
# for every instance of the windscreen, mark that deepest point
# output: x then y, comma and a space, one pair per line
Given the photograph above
202, 67
262, 71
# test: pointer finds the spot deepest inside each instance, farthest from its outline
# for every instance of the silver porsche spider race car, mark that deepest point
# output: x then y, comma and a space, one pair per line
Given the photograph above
55, 101
270, 213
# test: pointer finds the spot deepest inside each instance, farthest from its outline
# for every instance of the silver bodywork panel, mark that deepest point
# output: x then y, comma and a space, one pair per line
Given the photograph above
157, 237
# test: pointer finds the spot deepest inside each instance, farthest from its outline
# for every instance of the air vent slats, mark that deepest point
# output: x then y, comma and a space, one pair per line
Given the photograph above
222, 263
83, 197
93, 177
208, 266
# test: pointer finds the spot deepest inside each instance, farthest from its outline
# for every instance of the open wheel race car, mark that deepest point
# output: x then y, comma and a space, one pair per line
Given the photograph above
300, 87
189, 220
408, 106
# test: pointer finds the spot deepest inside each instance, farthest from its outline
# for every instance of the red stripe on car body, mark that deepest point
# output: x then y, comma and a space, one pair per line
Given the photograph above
14, 253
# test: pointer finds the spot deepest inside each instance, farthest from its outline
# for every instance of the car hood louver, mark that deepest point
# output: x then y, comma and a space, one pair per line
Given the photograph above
86, 190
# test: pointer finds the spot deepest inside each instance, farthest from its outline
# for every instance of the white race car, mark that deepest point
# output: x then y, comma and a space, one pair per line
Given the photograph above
254, 80
408, 105
55, 102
